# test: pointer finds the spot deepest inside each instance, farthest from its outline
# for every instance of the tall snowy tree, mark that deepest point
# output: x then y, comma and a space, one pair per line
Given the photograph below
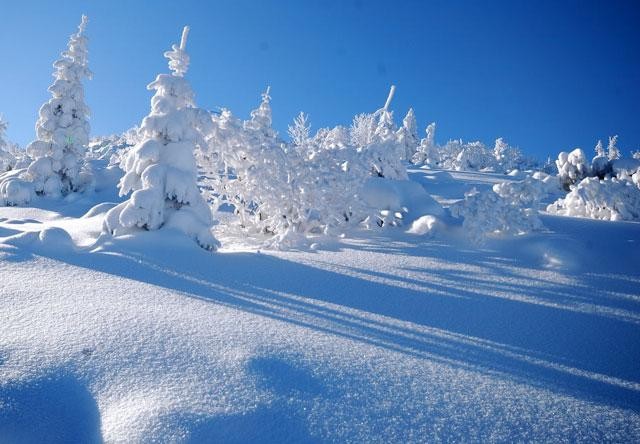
62, 128
408, 134
7, 160
612, 150
161, 169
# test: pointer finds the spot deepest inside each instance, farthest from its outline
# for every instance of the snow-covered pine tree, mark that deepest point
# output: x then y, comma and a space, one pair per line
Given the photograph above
408, 134
599, 149
613, 152
427, 152
600, 164
62, 128
300, 130
7, 160
161, 169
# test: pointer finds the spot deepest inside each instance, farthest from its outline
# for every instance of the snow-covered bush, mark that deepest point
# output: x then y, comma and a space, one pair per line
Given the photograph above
375, 138
572, 167
62, 128
285, 190
508, 208
161, 169
608, 199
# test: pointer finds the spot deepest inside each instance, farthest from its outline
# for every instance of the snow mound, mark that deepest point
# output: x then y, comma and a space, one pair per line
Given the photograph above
398, 202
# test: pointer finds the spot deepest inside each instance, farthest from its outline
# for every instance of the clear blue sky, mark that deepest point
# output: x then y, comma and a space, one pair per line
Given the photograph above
547, 76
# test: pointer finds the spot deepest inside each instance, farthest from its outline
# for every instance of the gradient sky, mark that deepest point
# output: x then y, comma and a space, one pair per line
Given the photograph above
548, 76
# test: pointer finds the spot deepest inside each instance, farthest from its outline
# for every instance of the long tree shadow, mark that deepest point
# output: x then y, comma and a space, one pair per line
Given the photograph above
585, 354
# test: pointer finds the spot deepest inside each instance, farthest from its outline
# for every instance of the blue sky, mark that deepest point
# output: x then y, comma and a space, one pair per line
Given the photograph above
547, 76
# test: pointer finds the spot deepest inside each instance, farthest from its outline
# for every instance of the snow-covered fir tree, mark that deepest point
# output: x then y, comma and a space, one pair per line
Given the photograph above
613, 152
161, 169
7, 160
300, 130
427, 151
62, 128
407, 135
600, 164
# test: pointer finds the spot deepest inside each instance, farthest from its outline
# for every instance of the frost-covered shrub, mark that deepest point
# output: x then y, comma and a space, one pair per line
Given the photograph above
608, 199
285, 190
374, 136
473, 156
572, 167
508, 208
161, 169
62, 128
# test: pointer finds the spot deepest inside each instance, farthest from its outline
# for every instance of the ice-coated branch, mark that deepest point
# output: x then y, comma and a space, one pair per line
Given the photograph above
183, 40
390, 97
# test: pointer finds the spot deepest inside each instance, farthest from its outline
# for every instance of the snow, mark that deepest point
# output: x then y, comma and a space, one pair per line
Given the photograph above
380, 336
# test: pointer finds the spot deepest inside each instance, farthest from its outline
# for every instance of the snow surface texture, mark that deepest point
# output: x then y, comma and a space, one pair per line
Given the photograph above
161, 169
380, 337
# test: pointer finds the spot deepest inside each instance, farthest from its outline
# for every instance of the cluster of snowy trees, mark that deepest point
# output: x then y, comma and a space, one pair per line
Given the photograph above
606, 188
469, 156
182, 163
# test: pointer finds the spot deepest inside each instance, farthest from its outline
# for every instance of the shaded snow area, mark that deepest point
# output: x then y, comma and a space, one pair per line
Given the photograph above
403, 334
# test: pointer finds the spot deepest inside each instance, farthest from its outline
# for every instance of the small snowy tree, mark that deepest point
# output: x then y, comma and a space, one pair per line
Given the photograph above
161, 169
600, 164
7, 160
427, 152
613, 152
62, 128
299, 131
408, 135
599, 149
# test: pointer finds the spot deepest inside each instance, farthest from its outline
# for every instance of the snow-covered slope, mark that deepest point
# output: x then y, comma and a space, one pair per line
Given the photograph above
382, 336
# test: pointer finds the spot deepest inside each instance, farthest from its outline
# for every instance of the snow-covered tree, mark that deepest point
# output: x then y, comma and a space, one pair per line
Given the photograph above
62, 128
300, 130
7, 160
600, 164
613, 152
599, 149
572, 167
161, 169
427, 152
407, 135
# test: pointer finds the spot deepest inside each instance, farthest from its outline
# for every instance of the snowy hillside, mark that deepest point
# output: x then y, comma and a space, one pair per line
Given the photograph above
382, 336
200, 278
